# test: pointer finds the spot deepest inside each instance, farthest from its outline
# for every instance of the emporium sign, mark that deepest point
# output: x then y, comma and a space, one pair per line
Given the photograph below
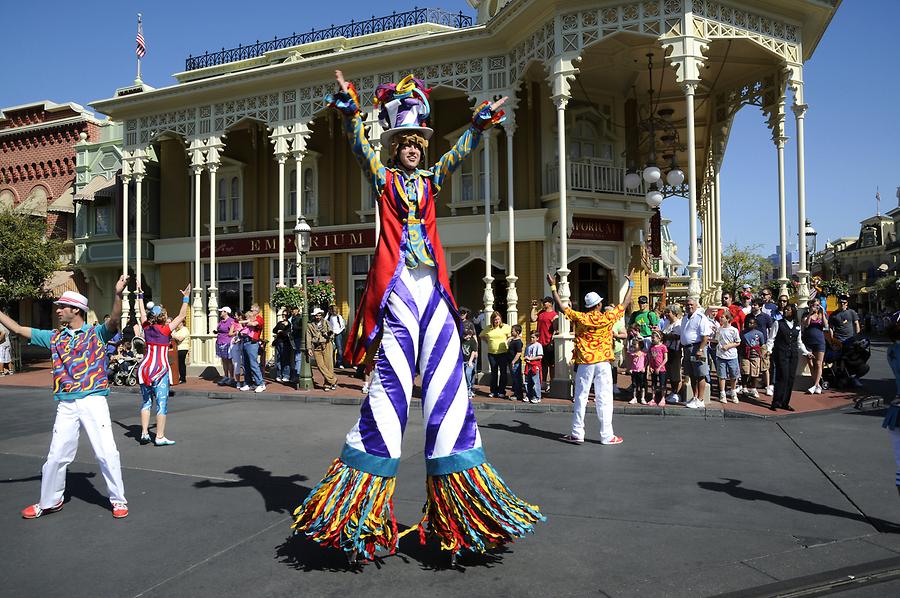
597, 229
330, 241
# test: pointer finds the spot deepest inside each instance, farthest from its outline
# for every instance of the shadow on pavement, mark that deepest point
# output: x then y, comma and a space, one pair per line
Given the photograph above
280, 493
133, 431
529, 430
77, 486
733, 488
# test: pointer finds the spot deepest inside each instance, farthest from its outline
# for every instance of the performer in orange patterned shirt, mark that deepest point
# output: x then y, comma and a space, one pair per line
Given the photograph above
593, 354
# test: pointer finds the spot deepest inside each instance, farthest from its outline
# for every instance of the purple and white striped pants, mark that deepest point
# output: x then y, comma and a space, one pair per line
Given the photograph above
419, 333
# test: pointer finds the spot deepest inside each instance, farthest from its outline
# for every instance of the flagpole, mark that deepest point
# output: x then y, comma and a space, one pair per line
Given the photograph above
138, 80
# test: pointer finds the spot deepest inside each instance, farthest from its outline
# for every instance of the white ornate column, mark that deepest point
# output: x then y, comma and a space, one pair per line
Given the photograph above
126, 181
718, 282
198, 321
138, 171
563, 73
512, 295
298, 152
686, 56
214, 148
280, 142
799, 109
776, 120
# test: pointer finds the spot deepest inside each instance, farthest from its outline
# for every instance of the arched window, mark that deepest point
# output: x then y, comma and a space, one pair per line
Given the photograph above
229, 193
310, 201
292, 195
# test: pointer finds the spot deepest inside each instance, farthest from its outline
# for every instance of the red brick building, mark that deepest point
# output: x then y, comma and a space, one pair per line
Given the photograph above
37, 176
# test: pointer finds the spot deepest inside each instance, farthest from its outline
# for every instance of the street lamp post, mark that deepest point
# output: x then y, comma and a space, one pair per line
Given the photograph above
302, 233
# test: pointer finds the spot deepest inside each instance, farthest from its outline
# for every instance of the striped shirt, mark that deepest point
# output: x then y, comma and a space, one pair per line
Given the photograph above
155, 364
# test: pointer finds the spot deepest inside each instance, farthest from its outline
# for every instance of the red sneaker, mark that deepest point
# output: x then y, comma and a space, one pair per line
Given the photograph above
34, 511
614, 440
119, 510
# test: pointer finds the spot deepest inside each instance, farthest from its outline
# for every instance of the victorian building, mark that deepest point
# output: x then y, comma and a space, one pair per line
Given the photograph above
37, 178
598, 89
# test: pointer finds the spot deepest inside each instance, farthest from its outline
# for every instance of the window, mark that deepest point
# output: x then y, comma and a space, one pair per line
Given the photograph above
229, 194
359, 272
309, 196
319, 270
102, 219
235, 283
585, 143
469, 179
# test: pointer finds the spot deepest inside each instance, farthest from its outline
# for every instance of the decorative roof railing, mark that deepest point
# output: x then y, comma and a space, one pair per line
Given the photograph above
395, 20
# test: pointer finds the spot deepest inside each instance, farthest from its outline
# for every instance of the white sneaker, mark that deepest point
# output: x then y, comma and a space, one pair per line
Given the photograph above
244, 388
753, 393
734, 399
672, 399
738, 388
818, 389
260, 388
632, 402
811, 390
277, 378
695, 404
770, 390
723, 398
365, 390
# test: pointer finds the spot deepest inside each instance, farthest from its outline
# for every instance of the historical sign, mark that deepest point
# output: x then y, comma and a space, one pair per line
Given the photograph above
597, 229
332, 241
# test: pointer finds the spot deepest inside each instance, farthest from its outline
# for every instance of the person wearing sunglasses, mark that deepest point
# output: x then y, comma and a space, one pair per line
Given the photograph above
844, 325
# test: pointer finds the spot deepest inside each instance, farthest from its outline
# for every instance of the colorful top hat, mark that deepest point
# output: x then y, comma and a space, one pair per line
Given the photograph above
403, 108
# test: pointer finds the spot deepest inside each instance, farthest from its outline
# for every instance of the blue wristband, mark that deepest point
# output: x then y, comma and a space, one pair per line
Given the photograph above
631, 284
185, 299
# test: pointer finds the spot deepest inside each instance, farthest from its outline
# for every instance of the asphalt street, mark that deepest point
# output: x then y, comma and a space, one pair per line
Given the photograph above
685, 507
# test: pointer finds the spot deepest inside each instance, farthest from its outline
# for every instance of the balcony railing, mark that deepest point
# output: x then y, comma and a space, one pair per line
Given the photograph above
597, 178
395, 20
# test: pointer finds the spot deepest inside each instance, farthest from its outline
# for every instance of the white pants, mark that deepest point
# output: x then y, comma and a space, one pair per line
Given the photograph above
600, 375
93, 414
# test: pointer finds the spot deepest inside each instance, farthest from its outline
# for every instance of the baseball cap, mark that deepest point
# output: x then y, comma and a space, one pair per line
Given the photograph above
843, 297
73, 299
317, 311
643, 299
592, 299
226, 309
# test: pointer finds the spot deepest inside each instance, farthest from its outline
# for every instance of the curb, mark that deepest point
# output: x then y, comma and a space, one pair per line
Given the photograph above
478, 405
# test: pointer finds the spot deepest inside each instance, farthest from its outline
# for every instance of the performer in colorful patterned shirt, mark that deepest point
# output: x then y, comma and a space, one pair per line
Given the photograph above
408, 322
594, 353
154, 374
80, 387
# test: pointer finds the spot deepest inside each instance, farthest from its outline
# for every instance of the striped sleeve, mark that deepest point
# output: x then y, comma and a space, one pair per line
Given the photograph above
367, 157
450, 161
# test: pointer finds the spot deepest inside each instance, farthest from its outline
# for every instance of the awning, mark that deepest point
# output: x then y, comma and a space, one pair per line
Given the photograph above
60, 282
35, 204
63, 203
99, 185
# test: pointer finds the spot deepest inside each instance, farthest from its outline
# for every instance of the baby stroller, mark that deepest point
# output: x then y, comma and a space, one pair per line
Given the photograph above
844, 364
124, 370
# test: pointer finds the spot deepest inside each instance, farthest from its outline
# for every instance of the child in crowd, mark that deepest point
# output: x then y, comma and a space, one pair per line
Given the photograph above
237, 356
752, 343
727, 342
514, 347
657, 358
470, 354
534, 355
638, 360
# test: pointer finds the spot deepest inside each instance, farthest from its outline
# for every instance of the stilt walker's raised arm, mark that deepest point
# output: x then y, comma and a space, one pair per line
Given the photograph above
346, 102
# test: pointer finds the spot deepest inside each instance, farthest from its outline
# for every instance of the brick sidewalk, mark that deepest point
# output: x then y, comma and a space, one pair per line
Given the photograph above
349, 391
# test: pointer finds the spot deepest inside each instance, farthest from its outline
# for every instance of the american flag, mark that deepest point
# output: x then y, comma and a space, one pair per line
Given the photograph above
141, 49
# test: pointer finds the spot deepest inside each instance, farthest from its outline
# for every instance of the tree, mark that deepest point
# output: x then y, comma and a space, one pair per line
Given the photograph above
27, 257
743, 265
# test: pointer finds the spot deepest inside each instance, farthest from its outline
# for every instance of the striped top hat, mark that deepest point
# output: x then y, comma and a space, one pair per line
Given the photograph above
403, 108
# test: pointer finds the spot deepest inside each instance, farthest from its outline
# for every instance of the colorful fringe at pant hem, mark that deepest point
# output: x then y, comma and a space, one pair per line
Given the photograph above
475, 510
351, 510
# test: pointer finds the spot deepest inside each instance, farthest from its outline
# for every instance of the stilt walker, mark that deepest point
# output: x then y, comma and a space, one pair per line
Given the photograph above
408, 322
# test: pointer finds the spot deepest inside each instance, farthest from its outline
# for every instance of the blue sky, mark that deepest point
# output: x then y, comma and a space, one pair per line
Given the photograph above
851, 87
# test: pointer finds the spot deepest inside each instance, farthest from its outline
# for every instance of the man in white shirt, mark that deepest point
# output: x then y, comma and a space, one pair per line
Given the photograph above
695, 331
338, 324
